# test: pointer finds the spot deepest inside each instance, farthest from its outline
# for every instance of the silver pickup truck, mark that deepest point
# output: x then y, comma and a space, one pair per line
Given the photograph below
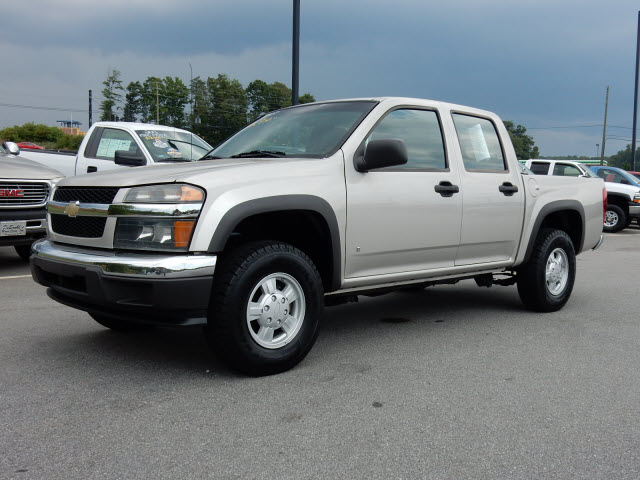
312, 205
24, 190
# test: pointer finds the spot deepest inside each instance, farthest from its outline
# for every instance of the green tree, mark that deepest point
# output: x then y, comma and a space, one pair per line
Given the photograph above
31, 132
306, 98
150, 93
621, 159
132, 105
173, 100
258, 93
200, 95
522, 143
227, 111
112, 97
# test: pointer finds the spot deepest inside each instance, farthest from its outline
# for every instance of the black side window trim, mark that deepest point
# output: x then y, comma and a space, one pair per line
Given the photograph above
504, 157
360, 149
92, 145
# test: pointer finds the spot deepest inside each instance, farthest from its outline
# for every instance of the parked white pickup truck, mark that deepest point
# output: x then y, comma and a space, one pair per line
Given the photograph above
109, 145
315, 204
623, 201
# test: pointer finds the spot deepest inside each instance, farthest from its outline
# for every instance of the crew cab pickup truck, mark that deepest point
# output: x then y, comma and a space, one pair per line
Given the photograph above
311, 205
623, 194
24, 190
109, 145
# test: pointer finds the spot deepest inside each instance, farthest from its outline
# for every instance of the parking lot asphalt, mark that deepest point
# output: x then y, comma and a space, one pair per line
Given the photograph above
453, 382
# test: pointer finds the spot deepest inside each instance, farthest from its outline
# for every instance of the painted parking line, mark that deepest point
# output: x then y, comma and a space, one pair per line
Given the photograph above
15, 276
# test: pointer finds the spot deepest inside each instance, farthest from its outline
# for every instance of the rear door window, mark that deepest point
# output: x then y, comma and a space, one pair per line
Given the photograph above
540, 168
479, 143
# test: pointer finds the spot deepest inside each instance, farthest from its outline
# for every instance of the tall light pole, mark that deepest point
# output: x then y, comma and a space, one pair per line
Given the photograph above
604, 131
635, 102
295, 63
191, 94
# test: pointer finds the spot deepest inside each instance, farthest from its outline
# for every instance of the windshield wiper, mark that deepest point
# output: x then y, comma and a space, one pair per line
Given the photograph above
208, 156
259, 153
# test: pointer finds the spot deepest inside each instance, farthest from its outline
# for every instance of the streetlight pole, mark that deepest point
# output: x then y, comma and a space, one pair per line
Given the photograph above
635, 102
604, 131
191, 92
295, 63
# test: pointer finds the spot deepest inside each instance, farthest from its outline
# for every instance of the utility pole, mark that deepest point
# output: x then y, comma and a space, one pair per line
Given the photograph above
604, 131
635, 104
158, 105
90, 112
295, 63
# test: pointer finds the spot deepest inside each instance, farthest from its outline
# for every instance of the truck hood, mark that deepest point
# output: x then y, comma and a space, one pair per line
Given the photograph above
173, 172
22, 168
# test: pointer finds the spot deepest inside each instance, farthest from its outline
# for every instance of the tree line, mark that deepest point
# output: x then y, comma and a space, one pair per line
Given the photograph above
218, 106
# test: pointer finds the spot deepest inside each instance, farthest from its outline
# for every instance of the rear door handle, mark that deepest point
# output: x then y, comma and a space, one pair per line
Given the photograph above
92, 169
508, 189
446, 189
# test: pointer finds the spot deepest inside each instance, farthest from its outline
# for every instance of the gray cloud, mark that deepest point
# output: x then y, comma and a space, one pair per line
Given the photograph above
539, 63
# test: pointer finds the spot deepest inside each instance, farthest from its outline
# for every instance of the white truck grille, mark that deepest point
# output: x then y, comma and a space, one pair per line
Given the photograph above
23, 194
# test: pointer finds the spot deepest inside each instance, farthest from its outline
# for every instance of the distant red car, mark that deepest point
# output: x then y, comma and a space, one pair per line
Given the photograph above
635, 174
30, 145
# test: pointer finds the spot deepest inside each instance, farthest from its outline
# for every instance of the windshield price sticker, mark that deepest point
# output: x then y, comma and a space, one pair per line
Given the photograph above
13, 229
153, 135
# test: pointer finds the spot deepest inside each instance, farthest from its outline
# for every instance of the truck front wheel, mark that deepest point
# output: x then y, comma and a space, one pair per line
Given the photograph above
265, 309
545, 282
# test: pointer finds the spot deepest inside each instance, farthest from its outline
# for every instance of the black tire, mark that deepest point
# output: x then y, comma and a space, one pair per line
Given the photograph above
23, 251
616, 219
119, 325
533, 288
239, 276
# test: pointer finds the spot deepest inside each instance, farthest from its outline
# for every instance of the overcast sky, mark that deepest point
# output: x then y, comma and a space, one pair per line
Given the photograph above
540, 63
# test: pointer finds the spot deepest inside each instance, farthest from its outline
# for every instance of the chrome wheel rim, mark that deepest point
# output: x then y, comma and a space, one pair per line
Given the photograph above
557, 271
611, 219
275, 311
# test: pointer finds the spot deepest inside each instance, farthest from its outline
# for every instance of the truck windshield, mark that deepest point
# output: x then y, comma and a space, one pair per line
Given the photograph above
314, 131
168, 145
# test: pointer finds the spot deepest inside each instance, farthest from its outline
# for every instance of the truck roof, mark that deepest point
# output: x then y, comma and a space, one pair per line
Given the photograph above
139, 126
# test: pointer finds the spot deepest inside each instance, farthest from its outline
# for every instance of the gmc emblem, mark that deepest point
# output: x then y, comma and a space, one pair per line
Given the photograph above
11, 193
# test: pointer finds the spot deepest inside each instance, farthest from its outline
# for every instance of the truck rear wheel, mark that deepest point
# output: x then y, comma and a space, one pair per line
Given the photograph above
265, 309
546, 281
615, 219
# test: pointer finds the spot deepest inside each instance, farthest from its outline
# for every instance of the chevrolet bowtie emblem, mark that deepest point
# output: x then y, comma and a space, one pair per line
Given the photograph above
72, 209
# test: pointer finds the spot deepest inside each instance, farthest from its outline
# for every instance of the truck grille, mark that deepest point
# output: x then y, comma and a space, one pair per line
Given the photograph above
84, 227
13, 194
85, 194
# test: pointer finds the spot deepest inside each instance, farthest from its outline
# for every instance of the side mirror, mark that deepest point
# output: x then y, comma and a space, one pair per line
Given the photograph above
624, 181
124, 157
388, 152
12, 148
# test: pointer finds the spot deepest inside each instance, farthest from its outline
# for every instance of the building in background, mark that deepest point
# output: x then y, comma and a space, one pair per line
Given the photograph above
70, 127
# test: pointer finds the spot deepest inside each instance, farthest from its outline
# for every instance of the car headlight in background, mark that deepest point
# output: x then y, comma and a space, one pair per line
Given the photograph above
158, 227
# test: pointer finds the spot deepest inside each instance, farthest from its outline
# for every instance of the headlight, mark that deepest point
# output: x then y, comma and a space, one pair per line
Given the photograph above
155, 227
167, 193
153, 233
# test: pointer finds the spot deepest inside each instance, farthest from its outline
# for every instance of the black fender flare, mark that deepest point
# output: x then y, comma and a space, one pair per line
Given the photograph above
544, 213
312, 203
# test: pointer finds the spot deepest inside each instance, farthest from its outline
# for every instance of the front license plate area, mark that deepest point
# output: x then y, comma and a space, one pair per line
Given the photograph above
13, 229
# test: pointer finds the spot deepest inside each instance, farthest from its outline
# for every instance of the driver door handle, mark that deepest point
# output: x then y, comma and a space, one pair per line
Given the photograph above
446, 189
92, 169
508, 189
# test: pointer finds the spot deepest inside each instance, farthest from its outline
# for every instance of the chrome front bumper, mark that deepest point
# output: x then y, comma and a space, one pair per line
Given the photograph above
634, 210
130, 265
